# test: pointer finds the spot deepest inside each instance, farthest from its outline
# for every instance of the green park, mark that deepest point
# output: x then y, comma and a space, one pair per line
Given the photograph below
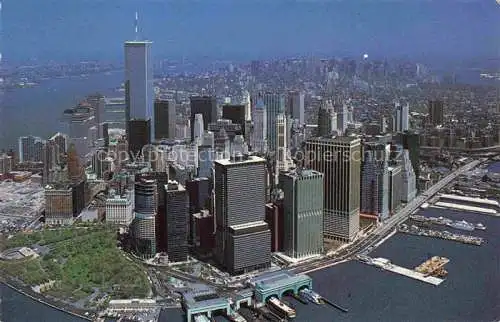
85, 263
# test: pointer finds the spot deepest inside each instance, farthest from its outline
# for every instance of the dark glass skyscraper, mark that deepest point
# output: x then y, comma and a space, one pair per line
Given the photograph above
243, 238
165, 118
176, 212
206, 106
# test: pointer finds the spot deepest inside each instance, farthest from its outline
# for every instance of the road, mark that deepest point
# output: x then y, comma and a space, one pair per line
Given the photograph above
363, 245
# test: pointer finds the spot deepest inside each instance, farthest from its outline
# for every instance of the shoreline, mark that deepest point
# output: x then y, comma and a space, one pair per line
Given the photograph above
42, 300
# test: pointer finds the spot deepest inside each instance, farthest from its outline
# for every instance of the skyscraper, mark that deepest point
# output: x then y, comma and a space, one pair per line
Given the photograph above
198, 128
50, 159
409, 187
303, 212
235, 113
339, 159
139, 93
177, 216
282, 138
242, 236
327, 119
375, 180
275, 104
401, 117
296, 106
165, 119
205, 105
259, 132
30, 149
144, 224
436, 112
395, 187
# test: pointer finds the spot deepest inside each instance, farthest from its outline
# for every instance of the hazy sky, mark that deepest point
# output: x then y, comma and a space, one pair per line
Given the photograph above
246, 29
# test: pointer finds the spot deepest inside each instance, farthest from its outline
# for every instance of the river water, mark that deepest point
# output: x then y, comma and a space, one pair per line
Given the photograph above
469, 293
38, 110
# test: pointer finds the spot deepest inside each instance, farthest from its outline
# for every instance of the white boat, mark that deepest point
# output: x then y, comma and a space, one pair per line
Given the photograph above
480, 226
462, 225
282, 307
311, 296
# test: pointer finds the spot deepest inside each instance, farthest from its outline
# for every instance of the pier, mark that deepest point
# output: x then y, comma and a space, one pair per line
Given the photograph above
446, 235
455, 206
386, 264
338, 307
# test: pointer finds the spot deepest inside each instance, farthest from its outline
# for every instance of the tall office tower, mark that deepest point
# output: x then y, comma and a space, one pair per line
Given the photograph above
199, 191
248, 106
235, 113
177, 216
296, 106
205, 105
206, 157
75, 170
342, 117
165, 119
98, 102
411, 141
198, 128
303, 209
338, 158
81, 119
242, 236
282, 138
144, 224
208, 139
401, 117
105, 134
436, 112
383, 124
119, 210
62, 141
395, 187
375, 180
58, 205
50, 159
275, 216
202, 233
30, 149
5, 163
275, 104
409, 190
259, 133
138, 135
327, 119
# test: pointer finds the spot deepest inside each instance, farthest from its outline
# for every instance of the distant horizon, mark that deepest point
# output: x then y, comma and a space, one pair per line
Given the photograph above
414, 30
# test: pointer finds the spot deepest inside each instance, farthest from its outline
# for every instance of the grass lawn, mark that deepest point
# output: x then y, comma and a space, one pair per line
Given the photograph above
81, 259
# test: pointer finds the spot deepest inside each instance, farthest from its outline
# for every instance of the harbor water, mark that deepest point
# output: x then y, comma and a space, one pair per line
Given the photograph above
469, 292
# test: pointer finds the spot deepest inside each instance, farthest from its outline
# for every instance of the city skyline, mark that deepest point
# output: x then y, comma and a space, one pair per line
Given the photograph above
326, 28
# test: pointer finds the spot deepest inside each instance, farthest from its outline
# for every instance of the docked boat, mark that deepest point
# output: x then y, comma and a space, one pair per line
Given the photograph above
462, 225
311, 296
282, 308
480, 226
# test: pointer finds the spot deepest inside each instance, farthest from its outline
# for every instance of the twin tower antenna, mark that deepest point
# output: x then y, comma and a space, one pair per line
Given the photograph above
136, 25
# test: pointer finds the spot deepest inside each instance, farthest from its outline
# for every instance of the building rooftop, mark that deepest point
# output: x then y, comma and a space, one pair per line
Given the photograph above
250, 159
277, 279
337, 139
137, 42
200, 299
249, 225
304, 173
